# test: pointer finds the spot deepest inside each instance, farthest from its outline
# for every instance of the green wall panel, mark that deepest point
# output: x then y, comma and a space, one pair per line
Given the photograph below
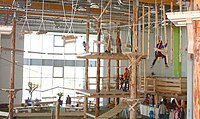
177, 64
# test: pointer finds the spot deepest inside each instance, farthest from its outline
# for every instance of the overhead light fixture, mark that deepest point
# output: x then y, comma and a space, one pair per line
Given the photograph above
5, 29
180, 18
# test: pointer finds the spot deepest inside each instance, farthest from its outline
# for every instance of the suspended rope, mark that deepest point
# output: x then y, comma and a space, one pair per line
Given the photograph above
108, 49
70, 36
66, 38
127, 42
43, 31
28, 31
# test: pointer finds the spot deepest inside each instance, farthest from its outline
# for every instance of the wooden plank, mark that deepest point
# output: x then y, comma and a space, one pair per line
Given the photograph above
112, 56
171, 36
149, 26
166, 89
167, 84
104, 10
167, 2
64, 114
90, 115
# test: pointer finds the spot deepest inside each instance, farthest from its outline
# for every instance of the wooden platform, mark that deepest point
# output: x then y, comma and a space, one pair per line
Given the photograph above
103, 93
64, 114
169, 87
112, 56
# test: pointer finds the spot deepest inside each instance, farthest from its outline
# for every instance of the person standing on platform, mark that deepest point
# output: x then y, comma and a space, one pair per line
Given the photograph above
162, 110
121, 82
68, 100
126, 79
118, 43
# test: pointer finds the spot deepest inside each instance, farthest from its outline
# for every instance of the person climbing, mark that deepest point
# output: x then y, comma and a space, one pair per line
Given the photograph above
108, 48
118, 43
84, 45
158, 53
121, 82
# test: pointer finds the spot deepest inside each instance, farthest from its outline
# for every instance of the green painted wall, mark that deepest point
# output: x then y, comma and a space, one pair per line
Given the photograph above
177, 64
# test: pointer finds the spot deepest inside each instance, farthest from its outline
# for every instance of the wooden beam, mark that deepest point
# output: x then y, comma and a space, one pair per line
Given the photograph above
12, 71
143, 29
167, 2
97, 109
171, 36
196, 84
149, 28
58, 109
133, 80
104, 10
156, 23
53, 15
86, 67
64, 114
112, 56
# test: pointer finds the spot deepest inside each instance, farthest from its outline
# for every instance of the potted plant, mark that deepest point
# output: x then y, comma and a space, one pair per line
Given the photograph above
59, 98
32, 88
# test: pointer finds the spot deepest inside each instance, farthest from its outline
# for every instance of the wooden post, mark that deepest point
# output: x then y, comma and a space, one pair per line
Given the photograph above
117, 81
196, 65
171, 37
197, 71
86, 67
136, 29
12, 73
149, 26
117, 74
144, 62
98, 70
165, 29
108, 80
133, 80
52, 114
57, 110
156, 23
143, 29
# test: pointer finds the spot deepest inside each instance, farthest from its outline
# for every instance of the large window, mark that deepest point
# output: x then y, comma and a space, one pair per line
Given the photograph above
50, 63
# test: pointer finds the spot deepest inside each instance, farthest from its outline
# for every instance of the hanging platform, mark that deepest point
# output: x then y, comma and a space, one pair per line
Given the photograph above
103, 93
112, 56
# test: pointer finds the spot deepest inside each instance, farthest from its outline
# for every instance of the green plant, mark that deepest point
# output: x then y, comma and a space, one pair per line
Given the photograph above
32, 88
60, 94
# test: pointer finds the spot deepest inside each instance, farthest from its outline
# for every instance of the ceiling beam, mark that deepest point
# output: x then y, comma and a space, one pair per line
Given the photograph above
166, 2
53, 15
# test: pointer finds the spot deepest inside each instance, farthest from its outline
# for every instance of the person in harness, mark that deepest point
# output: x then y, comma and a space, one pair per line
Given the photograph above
158, 53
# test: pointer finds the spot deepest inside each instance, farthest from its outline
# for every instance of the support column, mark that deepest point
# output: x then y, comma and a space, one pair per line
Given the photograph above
190, 67
133, 81
58, 109
98, 69
12, 73
86, 67
197, 71
108, 75
117, 81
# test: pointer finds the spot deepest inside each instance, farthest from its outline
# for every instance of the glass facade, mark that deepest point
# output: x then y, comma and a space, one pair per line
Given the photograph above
53, 65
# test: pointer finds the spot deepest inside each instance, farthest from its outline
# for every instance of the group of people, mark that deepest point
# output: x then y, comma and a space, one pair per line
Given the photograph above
178, 112
124, 80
